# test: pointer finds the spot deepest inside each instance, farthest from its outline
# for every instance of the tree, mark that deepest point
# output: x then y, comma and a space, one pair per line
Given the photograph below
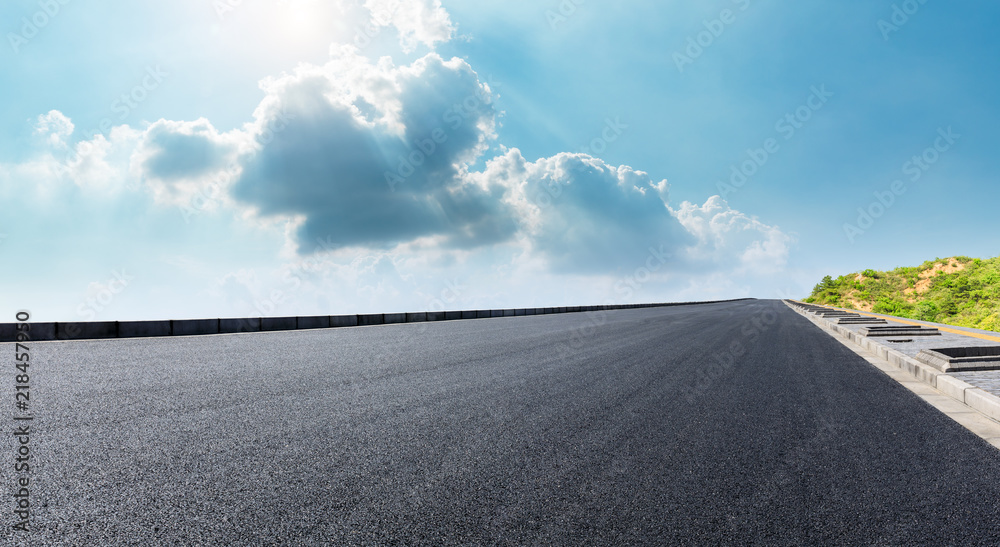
827, 283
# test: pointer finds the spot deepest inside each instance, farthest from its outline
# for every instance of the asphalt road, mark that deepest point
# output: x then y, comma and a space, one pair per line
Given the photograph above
733, 423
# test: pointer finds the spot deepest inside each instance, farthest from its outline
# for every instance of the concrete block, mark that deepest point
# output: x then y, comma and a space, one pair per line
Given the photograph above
192, 327
861, 321
278, 323
562, 309
953, 387
961, 359
239, 324
883, 352
86, 330
530, 311
143, 329
519, 312
984, 402
35, 331
436, 315
925, 374
906, 366
394, 318
496, 313
343, 320
480, 314
900, 330
469, 314
370, 319
895, 359
548, 310
417, 317
509, 313
312, 322
43, 331
453, 315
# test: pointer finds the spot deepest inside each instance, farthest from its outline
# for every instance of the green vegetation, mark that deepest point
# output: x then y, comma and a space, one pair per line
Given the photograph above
957, 291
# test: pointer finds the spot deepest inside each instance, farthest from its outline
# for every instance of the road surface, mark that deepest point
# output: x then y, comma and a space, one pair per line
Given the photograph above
731, 423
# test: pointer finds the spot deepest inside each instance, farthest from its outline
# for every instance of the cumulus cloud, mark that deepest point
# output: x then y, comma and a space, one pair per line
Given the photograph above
417, 21
729, 238
178, 159
100, 163
180, 150
372, 155
55, 128
584, 215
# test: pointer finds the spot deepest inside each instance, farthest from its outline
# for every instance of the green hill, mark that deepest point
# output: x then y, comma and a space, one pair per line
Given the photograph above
957, 291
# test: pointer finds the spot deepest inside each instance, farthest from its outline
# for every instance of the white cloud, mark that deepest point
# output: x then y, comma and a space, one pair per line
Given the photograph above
100, 164
417, 21
728, 238
181, 160
55, 128
372, 155
582, 214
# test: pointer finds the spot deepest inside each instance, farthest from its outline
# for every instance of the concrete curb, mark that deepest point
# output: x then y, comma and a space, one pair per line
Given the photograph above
41, 332
963, 392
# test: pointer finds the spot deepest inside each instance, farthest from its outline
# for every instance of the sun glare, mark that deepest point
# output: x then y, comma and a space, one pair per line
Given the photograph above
303, 19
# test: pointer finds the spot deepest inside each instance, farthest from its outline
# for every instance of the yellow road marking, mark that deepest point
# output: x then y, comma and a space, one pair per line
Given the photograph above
898, 320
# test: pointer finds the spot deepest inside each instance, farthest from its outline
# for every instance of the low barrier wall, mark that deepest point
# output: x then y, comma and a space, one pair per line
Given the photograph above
92, 330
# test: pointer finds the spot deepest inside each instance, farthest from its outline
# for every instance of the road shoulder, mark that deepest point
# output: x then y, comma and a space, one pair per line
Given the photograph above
971, 407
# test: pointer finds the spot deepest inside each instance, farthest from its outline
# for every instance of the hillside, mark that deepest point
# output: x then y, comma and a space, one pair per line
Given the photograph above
957, 291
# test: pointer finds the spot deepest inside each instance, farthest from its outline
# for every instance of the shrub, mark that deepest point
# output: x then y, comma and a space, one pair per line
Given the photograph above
926, 311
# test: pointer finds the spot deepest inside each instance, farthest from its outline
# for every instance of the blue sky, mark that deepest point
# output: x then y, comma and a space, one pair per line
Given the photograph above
277, 157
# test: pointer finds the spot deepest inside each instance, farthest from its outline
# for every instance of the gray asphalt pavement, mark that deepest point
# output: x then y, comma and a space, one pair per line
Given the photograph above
733, 423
